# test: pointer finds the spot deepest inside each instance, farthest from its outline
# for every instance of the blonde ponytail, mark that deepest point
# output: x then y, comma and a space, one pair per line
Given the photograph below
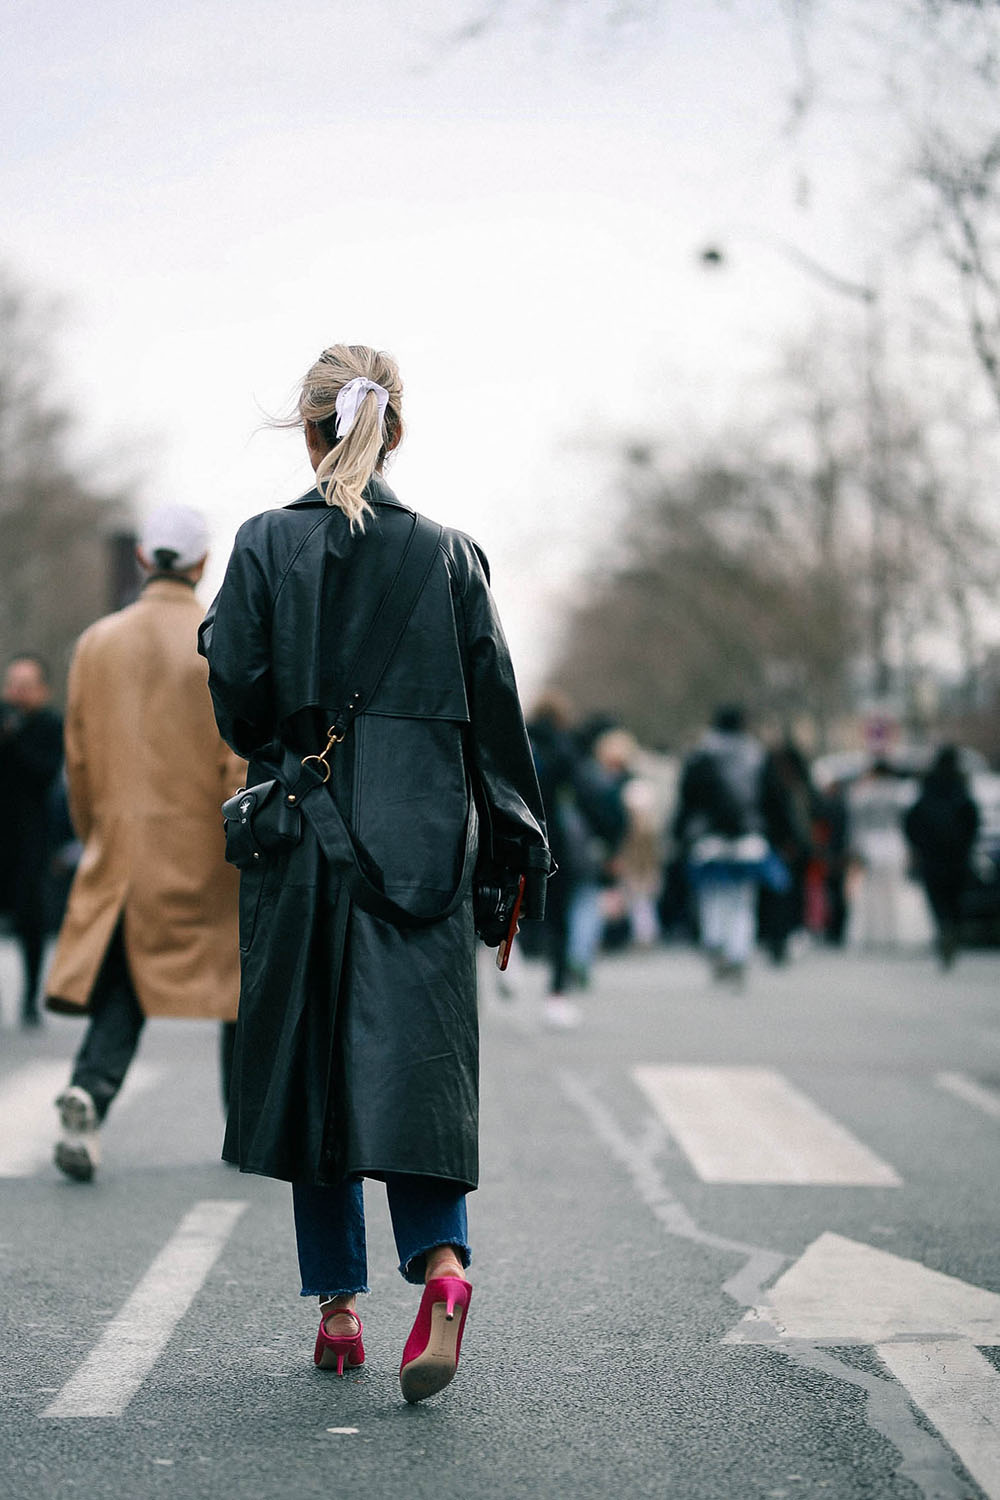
343, 472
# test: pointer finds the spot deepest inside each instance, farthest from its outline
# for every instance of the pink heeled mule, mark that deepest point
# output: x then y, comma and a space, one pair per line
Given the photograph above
430, 1358
338, 1349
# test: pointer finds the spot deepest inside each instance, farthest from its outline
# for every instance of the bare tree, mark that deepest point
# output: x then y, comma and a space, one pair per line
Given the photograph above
56, 525
715, 599
924, 73
814, 560
963, 217
929, 70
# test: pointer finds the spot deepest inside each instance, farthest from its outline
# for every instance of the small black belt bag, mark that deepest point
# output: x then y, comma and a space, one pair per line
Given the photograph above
259, 821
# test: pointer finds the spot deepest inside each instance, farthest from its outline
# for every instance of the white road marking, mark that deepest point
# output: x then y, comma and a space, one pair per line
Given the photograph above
843, 1292
741, 1124
988, 1100
924, 1327
958, 1389
29, 1121
926, 1458
133, 1341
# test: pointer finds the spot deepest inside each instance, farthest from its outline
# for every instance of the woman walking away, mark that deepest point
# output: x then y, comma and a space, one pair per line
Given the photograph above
941, 829
357, 661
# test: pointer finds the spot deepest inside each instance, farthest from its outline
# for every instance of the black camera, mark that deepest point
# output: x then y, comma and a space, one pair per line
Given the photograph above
493, 907
496, 895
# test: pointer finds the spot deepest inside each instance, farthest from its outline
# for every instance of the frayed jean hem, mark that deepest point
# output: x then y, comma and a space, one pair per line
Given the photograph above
349, 1291
415, 1269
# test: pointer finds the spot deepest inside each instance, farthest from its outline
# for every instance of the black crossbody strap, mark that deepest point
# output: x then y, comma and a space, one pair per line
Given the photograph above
361, 874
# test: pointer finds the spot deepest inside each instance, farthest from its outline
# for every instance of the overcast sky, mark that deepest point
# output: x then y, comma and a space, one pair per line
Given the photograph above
222, 189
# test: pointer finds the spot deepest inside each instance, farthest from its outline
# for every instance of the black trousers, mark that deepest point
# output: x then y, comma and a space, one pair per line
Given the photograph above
29, 930
112, 1037
944, 896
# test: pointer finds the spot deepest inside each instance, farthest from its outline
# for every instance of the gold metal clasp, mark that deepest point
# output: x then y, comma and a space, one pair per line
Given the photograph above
332, 738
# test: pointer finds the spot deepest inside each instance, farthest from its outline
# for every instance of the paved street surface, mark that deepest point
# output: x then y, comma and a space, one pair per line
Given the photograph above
727, 1246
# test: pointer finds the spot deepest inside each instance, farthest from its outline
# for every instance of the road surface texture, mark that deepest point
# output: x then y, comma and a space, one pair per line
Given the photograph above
728, 1245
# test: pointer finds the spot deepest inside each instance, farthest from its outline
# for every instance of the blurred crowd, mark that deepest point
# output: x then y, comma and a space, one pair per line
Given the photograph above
743, 847
738, 846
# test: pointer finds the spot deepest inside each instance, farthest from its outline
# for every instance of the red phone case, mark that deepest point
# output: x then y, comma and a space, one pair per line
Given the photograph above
503, 951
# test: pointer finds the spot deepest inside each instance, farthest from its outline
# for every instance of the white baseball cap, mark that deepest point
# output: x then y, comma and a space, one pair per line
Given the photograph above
176, 529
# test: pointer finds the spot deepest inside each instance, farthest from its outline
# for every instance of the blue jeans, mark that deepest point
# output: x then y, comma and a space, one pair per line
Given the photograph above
586, 925
330, 1230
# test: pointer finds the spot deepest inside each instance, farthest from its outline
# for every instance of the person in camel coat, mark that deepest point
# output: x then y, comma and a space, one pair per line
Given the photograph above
151, 924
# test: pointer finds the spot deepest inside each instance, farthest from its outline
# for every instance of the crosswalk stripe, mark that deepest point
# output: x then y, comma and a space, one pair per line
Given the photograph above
963, 1087
133, 1341
29, 1121
959, 1390
750, 1125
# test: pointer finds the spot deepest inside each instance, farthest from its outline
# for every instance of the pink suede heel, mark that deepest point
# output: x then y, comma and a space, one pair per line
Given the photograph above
334, 1349
430, 1358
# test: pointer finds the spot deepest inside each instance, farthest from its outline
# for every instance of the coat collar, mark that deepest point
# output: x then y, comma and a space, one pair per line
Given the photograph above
376, 492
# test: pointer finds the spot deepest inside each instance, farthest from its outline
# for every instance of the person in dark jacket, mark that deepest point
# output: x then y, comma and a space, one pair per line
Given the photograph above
941, 829
555, 759
357, 1041
833, 836
31, 754
788, 805
599, 787
719, 823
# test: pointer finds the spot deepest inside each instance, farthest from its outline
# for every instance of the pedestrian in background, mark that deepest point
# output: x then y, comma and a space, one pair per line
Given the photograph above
357, 1038
600, 775
31, 753
554, 755
877, 842
833, 841
632, 871
640, 859
151, 922
789, 805
719, 822
941, 829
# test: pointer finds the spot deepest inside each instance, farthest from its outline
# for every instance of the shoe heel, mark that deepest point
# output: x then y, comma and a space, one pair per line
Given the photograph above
456, 1298
430, 1358
338, 1350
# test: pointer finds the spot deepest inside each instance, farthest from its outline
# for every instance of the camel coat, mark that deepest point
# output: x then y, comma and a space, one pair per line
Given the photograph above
147, 772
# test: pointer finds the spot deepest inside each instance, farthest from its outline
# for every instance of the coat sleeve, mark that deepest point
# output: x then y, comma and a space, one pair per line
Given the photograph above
232, 772
77, 782
507, 787
235, 638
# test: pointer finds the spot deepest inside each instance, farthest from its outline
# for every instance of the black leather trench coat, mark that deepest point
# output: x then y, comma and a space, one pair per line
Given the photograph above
357, 1040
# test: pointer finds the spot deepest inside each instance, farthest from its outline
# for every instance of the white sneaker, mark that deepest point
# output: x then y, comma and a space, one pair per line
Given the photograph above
560, 1013
77, 1150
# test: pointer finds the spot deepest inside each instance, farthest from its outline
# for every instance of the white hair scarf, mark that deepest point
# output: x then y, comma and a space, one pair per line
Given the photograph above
350, 397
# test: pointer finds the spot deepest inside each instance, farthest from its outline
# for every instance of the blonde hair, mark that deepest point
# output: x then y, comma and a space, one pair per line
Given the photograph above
351, 461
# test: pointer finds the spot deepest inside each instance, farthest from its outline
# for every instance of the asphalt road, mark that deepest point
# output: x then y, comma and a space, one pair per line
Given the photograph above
621, 1235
